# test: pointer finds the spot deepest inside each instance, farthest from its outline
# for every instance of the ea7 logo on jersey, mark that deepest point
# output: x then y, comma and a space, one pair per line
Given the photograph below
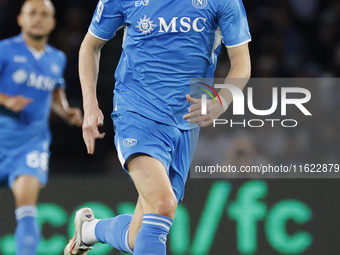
141, 3
19, 59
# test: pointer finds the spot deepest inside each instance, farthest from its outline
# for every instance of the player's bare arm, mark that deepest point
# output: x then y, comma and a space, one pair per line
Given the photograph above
240, 69
14, 103
89, 56
238, 75
60, 106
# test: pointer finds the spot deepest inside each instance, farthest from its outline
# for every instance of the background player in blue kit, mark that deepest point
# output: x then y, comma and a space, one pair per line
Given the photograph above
166, 43
31, 81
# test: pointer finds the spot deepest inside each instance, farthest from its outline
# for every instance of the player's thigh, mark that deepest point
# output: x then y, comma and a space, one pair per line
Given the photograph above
144, 149
153, 184
136, 135
26, 189
28, 171
30, 159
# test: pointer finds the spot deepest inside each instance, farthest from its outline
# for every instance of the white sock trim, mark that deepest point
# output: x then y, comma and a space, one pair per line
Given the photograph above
157, 224
25, 211
158, 218
88, 233
127, 241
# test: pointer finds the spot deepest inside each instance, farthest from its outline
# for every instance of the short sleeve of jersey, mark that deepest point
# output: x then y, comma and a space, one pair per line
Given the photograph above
61, 82
233, 23
2, 57
107, 19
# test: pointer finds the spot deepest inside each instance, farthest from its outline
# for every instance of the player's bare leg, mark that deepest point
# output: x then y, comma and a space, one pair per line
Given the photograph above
153, 185
136, 223
146, 231
26, 190
159, 204
27, 234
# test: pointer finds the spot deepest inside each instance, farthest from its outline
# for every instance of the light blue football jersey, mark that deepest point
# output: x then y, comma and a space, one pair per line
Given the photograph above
166, 43
22, 74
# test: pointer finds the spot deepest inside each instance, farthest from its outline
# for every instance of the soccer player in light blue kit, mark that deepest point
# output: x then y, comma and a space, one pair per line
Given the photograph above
165, 44
31, 81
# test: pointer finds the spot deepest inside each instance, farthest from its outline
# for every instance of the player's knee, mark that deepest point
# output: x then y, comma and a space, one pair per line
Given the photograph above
167, 206
26, 190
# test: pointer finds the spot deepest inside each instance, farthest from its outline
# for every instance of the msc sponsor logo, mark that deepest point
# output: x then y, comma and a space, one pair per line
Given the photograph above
20, 76
175, 25
185, 24
40, 82
145, 25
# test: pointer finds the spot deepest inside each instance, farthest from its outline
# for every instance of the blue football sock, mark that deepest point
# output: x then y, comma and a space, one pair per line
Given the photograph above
115, 232
151, 239
27, 233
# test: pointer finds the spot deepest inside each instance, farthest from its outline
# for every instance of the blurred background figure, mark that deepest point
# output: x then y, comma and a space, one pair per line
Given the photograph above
31, 83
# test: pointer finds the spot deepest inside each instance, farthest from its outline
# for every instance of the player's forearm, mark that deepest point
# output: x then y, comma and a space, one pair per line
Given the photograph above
89, 56
238, 76
3, 99
60, 104
240, 70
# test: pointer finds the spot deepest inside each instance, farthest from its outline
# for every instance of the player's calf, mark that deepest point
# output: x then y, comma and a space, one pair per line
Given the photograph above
114, 231
27, 233
151, 238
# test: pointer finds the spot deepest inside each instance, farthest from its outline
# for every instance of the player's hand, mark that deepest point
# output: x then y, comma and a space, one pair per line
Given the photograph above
74, 116
17, 103
213, 112
93, 118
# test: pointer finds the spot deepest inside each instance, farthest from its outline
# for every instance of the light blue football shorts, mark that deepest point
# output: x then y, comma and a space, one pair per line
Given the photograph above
173, 147
28, 158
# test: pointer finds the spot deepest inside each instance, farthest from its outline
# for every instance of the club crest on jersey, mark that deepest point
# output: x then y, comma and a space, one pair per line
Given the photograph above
200, 4
128, 142
162, 238
55, 68
145, 25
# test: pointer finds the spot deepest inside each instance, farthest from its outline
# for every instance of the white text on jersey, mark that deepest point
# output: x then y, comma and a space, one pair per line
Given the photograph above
141, 3
41, 82
185, 25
